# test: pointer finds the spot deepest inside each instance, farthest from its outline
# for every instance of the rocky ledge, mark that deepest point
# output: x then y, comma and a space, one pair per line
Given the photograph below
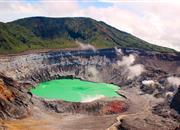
150, 73
175, 103
14, 103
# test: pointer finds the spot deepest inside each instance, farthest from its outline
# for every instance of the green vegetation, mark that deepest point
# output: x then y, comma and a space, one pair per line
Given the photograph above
45, 33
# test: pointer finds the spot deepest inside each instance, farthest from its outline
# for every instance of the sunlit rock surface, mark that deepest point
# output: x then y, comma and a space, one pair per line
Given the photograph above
117, 66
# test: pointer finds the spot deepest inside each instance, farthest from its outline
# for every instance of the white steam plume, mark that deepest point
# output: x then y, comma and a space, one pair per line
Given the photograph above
135, 71
129, 68
127, 60
118, 51
148, 82
174, 80
93, 73
86, 46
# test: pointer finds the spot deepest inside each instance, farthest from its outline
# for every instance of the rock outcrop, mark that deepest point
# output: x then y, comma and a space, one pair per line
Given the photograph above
117, 66
13, 102
99, 66
175, 103
99, 107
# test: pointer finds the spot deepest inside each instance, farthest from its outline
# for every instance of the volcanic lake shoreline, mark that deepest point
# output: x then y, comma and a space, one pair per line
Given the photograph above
128, 68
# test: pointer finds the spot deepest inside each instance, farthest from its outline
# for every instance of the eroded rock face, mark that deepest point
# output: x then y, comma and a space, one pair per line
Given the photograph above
149, 123
5, 93
45, 66
175, 103
99, 107
99, 66
13, 102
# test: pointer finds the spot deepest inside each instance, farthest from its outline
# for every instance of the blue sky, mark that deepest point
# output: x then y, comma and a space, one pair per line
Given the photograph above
155, 22
96, 3
82, 3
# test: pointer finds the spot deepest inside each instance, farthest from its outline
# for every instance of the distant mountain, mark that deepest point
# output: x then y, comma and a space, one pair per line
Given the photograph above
42, 32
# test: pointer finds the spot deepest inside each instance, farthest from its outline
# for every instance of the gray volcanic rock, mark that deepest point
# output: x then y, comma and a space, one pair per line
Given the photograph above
53, 65
124, 67
100, 107
175, 103
100, 65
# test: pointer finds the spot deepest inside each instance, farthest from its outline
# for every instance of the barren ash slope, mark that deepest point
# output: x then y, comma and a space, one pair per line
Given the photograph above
39, 49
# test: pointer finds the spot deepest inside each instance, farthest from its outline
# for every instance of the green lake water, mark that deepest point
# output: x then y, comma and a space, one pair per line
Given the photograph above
74, 90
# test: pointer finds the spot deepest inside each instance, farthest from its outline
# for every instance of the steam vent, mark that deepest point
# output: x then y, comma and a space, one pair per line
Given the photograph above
82, 74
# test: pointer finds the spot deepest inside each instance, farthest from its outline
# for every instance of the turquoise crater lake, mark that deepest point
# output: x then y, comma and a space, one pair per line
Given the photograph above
74, 90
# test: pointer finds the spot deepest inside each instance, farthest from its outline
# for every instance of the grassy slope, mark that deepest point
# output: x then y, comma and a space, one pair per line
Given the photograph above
40, 32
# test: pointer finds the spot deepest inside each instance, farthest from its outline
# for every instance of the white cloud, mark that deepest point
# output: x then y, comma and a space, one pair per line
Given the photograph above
156, 22
19, 9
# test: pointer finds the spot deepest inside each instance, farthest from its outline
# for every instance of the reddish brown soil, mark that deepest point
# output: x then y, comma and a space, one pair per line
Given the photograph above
5, 93
115, 107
